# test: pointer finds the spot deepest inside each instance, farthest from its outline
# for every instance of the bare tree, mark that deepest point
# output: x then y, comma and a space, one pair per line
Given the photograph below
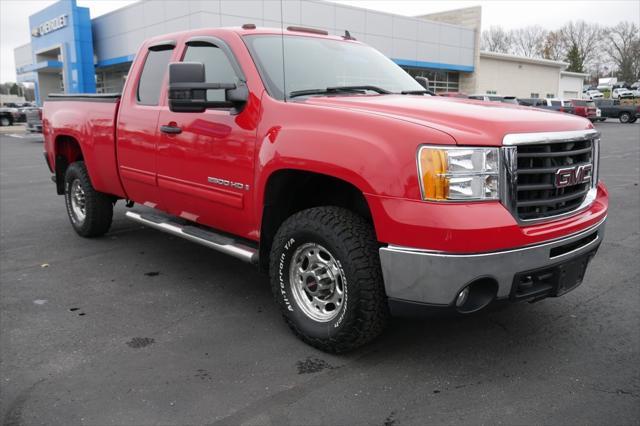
624, 49
528, 41
554, 47
584, 40
496, 39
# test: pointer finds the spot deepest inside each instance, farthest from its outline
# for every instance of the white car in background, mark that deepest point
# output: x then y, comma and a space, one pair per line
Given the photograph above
594, 94
621, 93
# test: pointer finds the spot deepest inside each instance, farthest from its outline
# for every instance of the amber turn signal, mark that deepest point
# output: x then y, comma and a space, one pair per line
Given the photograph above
433, 169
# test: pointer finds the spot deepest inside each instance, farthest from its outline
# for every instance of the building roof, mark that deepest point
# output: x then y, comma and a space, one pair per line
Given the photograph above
516, 58
574, 74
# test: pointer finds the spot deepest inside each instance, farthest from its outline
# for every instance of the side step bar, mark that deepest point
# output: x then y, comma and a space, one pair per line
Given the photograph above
201, 236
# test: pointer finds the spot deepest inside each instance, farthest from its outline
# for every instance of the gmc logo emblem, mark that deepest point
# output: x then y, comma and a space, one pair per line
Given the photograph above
576, 175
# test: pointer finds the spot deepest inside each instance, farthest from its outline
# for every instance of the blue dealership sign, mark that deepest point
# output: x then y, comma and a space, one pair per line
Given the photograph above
61, 42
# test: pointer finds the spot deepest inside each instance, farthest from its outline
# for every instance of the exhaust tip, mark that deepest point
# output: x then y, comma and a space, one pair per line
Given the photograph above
476, 296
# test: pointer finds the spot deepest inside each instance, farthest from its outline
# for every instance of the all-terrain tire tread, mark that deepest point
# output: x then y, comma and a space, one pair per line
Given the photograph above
358, 238
99, 205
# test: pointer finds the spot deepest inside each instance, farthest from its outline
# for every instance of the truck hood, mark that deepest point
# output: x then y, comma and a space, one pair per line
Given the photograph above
469, 122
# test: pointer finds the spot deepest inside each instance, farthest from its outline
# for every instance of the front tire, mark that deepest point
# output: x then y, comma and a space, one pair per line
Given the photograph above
90, 211
326, 278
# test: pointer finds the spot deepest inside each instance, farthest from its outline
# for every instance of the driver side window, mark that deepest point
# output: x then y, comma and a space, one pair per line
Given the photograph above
217, 68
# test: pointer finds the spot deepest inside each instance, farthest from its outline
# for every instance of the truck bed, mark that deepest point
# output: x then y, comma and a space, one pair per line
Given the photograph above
89, 120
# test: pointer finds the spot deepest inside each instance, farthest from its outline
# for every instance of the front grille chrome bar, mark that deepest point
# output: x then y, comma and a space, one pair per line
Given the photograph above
509, 172
549, 137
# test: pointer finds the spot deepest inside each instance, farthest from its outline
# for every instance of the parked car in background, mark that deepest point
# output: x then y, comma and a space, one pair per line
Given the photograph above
34, 120
594, 94
550, 104
621, 93
486, 97
6, 117
585, 108
612, 109
494, 98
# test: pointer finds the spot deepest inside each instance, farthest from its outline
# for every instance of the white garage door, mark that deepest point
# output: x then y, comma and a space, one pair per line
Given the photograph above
570, 95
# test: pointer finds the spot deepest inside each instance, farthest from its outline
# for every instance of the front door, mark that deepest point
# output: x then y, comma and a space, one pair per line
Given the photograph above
206, 160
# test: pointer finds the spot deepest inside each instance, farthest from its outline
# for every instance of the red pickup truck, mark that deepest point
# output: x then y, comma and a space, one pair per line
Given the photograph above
322, 162
585, 108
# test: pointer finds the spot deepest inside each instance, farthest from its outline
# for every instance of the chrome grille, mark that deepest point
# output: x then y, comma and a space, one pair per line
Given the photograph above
537, 165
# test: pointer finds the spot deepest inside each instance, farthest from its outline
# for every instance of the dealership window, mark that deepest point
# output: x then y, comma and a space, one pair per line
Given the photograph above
111, 80
535, 95
217, 68
155, 67
439, 81
551, 95
491, 92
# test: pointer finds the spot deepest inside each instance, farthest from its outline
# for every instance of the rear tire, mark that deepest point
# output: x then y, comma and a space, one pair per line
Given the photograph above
5, 121
326, 278
90, 211
624, 117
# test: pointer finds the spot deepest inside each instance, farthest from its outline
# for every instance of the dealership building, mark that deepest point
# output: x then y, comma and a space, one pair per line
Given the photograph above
72, 53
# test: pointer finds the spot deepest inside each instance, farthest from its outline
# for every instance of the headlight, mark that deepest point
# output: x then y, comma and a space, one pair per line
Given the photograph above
458, 173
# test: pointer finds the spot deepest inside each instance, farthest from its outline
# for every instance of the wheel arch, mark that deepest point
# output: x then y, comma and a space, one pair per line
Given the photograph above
67, 150
288, 191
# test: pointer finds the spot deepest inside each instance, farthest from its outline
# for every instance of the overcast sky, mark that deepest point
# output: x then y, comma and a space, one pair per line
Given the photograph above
14, 15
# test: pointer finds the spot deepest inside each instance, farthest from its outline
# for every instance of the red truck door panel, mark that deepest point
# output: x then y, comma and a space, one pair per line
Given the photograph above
205, 172
138, 122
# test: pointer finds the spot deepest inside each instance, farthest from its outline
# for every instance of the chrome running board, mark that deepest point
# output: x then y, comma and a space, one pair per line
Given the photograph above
198, 235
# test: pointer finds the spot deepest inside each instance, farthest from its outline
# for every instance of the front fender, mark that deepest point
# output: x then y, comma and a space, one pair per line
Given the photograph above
376, 154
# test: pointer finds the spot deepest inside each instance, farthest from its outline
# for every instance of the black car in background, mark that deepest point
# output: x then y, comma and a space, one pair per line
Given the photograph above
6, 117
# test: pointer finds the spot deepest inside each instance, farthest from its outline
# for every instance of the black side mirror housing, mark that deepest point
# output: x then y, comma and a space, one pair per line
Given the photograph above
188, 90
423, 81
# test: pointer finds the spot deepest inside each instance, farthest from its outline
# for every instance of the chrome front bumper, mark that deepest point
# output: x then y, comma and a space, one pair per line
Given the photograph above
436, 278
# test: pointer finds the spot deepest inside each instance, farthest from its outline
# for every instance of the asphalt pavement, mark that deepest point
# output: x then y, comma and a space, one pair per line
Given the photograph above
141, 328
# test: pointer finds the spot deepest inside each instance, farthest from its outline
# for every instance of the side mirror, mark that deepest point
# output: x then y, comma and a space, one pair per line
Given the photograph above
188, 90
423, 81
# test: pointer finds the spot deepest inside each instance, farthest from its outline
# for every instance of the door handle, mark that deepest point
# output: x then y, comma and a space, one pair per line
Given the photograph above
172, 130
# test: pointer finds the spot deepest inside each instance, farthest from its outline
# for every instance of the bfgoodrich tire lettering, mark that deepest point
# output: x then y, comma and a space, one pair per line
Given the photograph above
350, 246
90, 211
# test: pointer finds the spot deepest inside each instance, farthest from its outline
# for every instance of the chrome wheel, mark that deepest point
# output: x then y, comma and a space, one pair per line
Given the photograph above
317, 282
78, 201
5, 121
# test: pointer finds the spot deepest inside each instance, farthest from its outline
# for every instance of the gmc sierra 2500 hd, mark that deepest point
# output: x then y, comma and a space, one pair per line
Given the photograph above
322, 162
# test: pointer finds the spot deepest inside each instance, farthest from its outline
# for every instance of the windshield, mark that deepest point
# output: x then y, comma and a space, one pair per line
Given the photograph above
317, 63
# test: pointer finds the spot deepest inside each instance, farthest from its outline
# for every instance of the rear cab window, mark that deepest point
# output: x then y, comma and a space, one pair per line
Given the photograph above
579, 102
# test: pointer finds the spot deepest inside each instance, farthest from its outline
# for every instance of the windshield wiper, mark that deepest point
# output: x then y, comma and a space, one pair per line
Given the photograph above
418, 92
338, 89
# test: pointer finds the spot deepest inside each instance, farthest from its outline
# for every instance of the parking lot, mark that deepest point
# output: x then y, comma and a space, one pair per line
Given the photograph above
139, 327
